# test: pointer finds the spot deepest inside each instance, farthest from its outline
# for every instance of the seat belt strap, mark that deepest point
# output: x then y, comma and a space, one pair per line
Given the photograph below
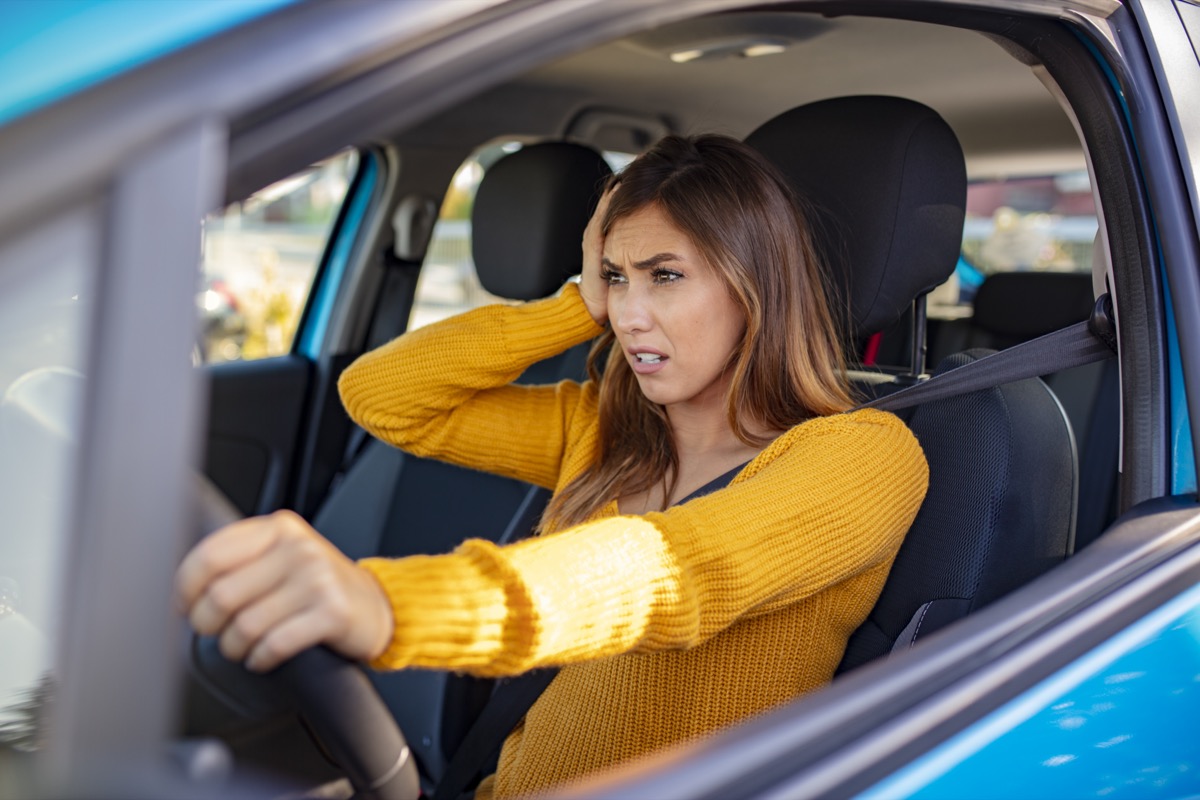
1070, 347
512, 699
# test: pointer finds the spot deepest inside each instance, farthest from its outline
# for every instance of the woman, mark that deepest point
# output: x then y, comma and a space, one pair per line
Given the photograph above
670, 619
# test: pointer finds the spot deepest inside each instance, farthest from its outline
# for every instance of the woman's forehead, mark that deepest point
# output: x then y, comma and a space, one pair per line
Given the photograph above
647, 230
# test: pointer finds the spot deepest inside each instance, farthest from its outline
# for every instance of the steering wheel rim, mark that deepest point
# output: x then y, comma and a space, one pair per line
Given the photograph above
333, 694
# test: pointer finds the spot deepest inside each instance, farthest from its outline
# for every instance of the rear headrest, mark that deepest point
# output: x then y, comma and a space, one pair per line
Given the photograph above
887, 186
1025, 305
529, 215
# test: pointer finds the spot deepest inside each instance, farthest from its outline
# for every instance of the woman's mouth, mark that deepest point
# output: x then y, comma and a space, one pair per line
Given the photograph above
646, 362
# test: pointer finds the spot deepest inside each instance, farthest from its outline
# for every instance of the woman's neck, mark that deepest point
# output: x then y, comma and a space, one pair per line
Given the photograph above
703, 431
702, 437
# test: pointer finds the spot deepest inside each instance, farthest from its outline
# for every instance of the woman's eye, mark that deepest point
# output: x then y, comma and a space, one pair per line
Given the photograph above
665, 276
610, 277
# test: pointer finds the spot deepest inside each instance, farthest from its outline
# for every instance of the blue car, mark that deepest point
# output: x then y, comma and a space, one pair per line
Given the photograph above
350, 171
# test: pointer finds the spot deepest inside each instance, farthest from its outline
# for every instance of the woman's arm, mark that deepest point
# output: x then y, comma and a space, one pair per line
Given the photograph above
827, 501
443, 391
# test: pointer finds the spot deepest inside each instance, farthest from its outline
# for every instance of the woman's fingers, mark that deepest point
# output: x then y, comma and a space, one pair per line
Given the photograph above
251, 582
226, 549
258, 619
592, 286
292, 636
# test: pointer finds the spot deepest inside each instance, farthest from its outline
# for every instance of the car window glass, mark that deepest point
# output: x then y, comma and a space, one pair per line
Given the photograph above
1044, 224
449, 283
45, 299
260, 258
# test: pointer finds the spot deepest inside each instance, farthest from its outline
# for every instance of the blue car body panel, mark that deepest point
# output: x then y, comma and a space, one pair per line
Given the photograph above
1121, 721
49, 50
1183, 462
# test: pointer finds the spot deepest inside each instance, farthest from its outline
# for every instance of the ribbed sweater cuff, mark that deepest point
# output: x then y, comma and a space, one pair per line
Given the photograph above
449, 611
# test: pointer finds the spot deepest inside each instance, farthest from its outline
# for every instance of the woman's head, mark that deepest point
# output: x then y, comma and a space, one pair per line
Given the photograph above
720, 212
743, 220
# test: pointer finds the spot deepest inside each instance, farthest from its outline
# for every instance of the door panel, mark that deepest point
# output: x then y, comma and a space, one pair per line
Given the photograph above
255, 413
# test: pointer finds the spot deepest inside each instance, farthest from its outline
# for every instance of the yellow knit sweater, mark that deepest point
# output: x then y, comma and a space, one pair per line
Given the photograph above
668, 625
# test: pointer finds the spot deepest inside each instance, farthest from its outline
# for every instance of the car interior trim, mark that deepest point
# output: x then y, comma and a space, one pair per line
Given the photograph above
323, 433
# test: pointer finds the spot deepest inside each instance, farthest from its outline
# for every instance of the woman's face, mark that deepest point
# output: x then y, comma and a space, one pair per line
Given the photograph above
670, 312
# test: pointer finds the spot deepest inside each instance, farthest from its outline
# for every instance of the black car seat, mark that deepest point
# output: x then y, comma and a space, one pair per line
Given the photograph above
1014, 307
527, 224
887, 185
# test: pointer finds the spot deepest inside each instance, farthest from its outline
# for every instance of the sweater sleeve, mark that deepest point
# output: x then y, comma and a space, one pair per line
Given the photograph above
443, 391
826, 501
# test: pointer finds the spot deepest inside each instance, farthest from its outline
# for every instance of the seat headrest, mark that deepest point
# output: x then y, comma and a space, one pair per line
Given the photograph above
886, 184
1025, 305
529, 216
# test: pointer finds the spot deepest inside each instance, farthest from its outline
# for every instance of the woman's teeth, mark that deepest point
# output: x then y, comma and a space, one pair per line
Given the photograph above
648, 358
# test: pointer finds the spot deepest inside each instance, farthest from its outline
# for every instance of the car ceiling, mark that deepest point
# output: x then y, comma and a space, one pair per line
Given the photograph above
1005, 118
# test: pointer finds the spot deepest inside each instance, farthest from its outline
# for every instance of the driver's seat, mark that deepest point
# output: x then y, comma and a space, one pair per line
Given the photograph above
887, 185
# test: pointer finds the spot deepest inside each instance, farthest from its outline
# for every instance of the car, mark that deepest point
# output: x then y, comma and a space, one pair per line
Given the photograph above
125, 125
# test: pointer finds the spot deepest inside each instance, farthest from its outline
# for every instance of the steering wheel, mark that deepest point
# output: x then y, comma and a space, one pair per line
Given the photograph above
330, 692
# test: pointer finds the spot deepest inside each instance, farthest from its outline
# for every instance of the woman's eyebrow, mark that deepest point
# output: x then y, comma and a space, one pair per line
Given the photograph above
649, 263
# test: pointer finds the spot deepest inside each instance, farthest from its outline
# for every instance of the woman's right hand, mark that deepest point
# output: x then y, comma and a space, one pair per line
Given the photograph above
270, 587
592, 286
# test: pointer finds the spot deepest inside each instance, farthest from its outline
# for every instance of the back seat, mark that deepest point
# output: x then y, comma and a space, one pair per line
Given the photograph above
527, 224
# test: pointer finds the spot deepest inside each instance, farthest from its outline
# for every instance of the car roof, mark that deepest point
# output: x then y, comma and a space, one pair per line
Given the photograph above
1003, 114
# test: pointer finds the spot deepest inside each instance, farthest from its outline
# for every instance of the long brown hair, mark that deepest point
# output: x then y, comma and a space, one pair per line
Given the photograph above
744, 217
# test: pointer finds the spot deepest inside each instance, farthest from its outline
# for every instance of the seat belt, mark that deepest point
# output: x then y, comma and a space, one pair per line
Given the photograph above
1082, 343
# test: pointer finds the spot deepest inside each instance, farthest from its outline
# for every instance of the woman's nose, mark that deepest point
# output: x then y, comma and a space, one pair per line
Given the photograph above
629, 310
